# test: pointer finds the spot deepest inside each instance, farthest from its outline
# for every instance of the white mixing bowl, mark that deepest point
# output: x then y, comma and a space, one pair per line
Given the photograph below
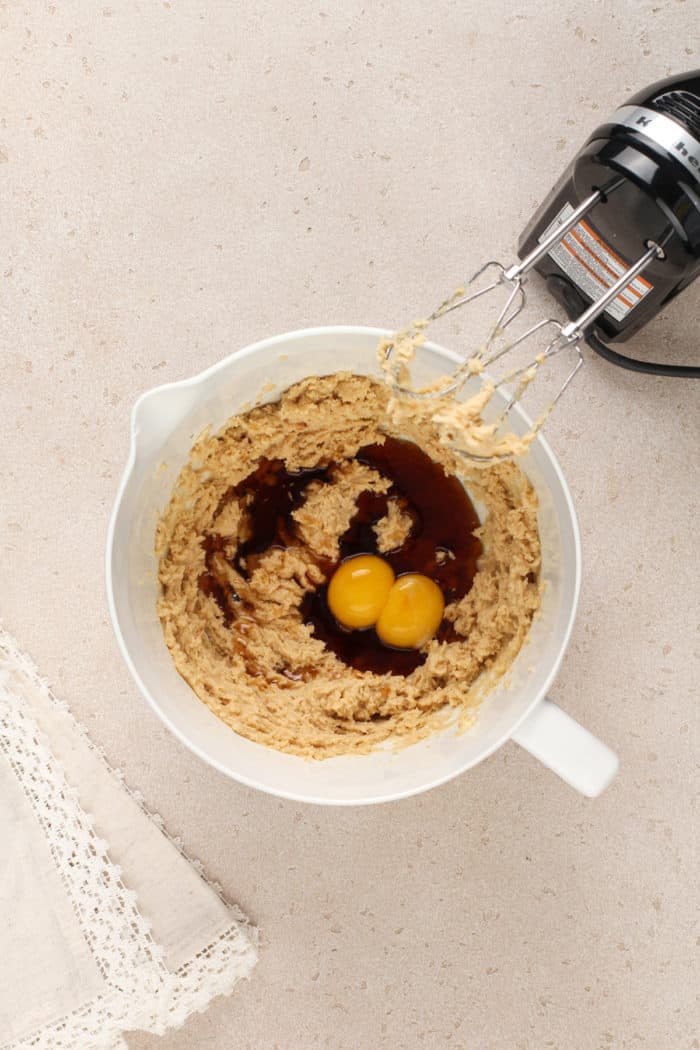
164, 423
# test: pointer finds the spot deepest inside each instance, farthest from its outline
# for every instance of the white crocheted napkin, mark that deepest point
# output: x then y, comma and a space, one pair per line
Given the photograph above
106, 925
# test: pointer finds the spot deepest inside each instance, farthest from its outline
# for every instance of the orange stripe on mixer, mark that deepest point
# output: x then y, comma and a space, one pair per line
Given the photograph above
618, 259
604, 265
613, 255
565, 244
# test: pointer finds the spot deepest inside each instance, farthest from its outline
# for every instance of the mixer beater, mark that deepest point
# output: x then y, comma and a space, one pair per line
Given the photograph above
632, 193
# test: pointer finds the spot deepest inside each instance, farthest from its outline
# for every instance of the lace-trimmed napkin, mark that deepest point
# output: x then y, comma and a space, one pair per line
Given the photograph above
106, 925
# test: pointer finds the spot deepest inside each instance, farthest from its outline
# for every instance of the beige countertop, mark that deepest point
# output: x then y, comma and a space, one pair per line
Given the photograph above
182, 178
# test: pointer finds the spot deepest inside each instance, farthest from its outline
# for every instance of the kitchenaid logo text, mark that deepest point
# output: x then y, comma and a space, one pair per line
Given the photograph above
670, 134
684, 151
680, 146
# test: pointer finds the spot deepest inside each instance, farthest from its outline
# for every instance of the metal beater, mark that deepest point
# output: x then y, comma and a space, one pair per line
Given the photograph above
640, 173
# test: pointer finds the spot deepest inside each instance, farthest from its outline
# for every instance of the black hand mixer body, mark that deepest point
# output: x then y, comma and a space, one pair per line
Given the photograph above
645, 161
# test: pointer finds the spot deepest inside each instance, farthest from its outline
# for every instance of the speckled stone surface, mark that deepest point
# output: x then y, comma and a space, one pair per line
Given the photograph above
179, 179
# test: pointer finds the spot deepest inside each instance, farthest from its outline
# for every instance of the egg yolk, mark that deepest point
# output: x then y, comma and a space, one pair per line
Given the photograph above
359, 590
413, 612
365, 593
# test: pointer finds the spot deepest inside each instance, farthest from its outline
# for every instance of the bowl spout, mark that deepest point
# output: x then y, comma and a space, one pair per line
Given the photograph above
157, 413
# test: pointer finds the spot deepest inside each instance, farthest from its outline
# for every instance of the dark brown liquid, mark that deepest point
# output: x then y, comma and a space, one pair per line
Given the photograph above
441, 543
272, 494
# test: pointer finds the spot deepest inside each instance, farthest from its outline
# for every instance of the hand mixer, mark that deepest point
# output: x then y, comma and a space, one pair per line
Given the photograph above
627, 205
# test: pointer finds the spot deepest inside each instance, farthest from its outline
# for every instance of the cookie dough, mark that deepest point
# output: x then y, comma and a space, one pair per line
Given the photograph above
262, 671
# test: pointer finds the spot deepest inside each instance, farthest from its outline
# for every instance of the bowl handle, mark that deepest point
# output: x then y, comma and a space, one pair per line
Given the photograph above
569, 750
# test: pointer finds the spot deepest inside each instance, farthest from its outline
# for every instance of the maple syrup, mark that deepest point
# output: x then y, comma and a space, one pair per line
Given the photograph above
440, 543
